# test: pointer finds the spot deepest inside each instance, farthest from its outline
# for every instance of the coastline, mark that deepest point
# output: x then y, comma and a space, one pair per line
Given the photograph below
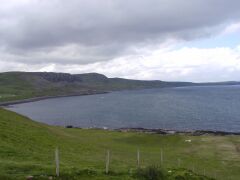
166, 131
183, 132
126, 129
8, 103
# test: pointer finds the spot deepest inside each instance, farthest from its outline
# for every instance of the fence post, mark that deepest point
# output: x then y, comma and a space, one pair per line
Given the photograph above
179, 162
107, 161
57, 161
161, 157
138, 158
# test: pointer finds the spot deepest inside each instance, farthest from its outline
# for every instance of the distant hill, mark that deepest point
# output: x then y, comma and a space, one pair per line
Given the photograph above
23, 85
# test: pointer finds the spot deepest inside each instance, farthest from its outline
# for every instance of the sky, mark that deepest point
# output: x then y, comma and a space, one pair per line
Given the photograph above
170, 40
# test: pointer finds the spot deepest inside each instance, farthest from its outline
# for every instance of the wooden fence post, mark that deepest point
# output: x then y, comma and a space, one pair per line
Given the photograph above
179, 162
161, 157
107, 161
57, 161
138, 158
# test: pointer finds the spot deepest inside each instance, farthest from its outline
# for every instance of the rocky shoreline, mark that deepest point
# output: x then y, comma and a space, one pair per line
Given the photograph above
165, 131
8, 103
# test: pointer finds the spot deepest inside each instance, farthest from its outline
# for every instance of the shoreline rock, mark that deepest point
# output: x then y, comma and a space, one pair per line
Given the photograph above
165, 131
168, 131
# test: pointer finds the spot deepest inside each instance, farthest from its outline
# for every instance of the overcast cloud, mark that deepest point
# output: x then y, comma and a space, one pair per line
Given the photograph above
131, 39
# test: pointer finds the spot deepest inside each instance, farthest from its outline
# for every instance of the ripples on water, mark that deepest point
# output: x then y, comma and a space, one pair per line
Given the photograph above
185, 108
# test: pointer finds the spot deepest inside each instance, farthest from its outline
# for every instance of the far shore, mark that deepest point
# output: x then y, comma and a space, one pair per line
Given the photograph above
184, 132
8, 103
165, 131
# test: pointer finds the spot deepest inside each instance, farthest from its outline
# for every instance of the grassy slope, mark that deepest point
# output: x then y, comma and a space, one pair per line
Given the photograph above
12, 87
27, 148
21, 85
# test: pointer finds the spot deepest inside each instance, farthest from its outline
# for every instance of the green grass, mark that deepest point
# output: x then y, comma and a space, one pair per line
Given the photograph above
27, 148
26, 85
7, 95
13, 87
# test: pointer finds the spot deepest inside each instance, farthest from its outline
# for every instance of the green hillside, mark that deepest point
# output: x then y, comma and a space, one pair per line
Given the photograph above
23, 85
27, 148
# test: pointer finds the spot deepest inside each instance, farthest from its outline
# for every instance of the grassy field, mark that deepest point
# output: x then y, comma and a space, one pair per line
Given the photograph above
27, 148
24, 85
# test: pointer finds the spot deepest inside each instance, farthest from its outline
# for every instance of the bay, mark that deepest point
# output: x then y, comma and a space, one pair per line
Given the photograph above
182, 108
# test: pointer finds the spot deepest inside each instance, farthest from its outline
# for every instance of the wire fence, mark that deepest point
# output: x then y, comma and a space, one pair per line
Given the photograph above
111, 160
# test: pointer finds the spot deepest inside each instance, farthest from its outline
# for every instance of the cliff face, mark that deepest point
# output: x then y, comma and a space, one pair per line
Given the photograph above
65, 77
21, 85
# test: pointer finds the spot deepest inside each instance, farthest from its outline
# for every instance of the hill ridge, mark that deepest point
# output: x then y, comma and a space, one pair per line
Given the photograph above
23, 85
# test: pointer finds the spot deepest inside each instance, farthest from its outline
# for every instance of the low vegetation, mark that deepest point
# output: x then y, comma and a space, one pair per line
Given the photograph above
24, 85
27, 149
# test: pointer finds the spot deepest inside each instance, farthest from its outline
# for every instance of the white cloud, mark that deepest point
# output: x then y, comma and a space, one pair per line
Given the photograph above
184, 64
120, 39
232, 28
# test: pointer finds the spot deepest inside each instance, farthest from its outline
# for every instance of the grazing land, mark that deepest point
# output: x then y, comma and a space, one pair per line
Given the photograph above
25, 85
27, 148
